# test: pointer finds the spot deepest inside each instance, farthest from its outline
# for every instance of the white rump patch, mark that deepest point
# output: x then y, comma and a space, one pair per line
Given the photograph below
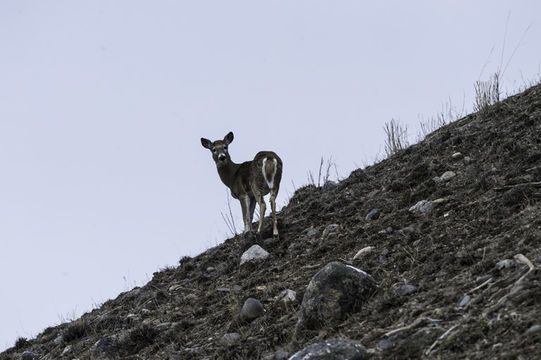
270, 183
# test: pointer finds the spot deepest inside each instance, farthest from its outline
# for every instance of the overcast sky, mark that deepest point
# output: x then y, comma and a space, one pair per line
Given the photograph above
103, 178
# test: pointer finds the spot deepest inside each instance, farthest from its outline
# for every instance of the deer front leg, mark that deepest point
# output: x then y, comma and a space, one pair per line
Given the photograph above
245, 205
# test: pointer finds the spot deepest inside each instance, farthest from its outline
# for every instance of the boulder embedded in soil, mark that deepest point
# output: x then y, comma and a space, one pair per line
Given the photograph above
254, 253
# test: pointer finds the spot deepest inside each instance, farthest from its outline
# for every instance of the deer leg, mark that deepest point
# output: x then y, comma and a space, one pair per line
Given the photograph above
245, 205
253, 202
262, 208
273, 210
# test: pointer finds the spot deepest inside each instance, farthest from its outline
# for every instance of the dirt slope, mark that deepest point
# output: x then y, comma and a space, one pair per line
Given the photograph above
471, 296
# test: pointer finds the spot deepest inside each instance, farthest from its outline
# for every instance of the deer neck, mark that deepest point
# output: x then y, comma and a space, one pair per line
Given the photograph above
227, 173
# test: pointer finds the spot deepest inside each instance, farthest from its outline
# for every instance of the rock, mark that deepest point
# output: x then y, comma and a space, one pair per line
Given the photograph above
437, 179
66, 350
423, 206
467, 160
280, 355
334, 292
287, 297
105, 349
332, 350
482, 279
252, 309
29, 355
329, 184
456, 156
538, 259
236, 288
254, 253
310, 232
223, 289
373, 194
364, 251
384, 344
163, 326
448, 175
331, 229
372, 215
230, 339
404, 290
466, 299
533, 329
58, 340
174, 287
503, 264
211, 269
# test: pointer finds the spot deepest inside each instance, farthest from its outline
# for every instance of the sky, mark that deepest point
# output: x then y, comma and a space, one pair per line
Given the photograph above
103, 178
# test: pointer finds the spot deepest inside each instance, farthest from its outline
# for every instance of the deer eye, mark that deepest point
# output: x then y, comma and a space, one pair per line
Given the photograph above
214, 151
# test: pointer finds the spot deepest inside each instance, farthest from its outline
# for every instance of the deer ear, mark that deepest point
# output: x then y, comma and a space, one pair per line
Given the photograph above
228, 138
206, 143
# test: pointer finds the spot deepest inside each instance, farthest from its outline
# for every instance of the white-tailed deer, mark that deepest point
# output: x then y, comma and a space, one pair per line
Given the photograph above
249, 181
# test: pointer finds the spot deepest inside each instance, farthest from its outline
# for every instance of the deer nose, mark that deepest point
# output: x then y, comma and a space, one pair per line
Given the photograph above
221, 157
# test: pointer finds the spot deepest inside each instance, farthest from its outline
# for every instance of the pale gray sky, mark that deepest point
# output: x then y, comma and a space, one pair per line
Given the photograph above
102, 104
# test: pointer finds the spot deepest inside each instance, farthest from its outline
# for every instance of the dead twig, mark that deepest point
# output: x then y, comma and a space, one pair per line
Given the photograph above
507, 187
414, 324
480, 286
427, 352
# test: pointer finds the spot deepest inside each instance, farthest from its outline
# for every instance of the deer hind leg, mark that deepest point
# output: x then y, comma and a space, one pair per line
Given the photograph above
245, 204
273, 210
262, 209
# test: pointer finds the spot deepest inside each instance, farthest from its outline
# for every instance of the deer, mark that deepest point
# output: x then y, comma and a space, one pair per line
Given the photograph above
249, 181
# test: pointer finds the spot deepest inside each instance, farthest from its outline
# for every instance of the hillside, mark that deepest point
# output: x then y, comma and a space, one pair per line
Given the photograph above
459, 276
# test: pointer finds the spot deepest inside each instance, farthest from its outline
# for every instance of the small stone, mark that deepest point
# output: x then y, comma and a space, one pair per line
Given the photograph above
29, 355
230, 339
448, 175
287, 297
372, 215
405, 290
223, 289
533, 329
437, 179
254, 253
211, 269
439, 201
503, 264
310, 232
280, 355
66, 350
236, 288
373, 194
331, 229
174, 287
423, 206
332, 350
466, 299
364, 251
163, 326
58, 340
145, 311
329, 184
467, 160
106, 348
252, 309
482, 279
538, 259
457, 155
384, 344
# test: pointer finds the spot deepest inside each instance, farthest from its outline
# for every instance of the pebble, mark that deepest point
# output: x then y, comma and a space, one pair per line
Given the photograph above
29, 355
364, 251
252, 309
533, 329
538, 259
503, 264
280, 355
58, 340
211, 269
457, 155
372, 215
287, 297
331, 229
373, 194
384, 344
482, 279
405, 290
466, 299
467, 159
254, 253
230, 339
174, 287
66, 350
163, 326
448, 175
223, 289
423, 206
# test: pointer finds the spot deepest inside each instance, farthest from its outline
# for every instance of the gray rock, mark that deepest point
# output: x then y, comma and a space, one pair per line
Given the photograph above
538, 259
384, 344
334, 292
163, 326
533, 329
58, 340
503, 264
457, 156
404, 290
223, 289
329, 185
252, 309
437, 179
310, 232
254, 253
372, 215
105, 349
230, 339
66, 350
423, 206
448, 175
332, 350
236, 288
280, 355
364, 251
466, 299
467, 160
287, 297
211, 269
373, 194
331, 229
29, 355
482, 279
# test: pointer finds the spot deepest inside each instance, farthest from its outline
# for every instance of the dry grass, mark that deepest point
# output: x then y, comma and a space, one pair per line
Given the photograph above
396, 137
